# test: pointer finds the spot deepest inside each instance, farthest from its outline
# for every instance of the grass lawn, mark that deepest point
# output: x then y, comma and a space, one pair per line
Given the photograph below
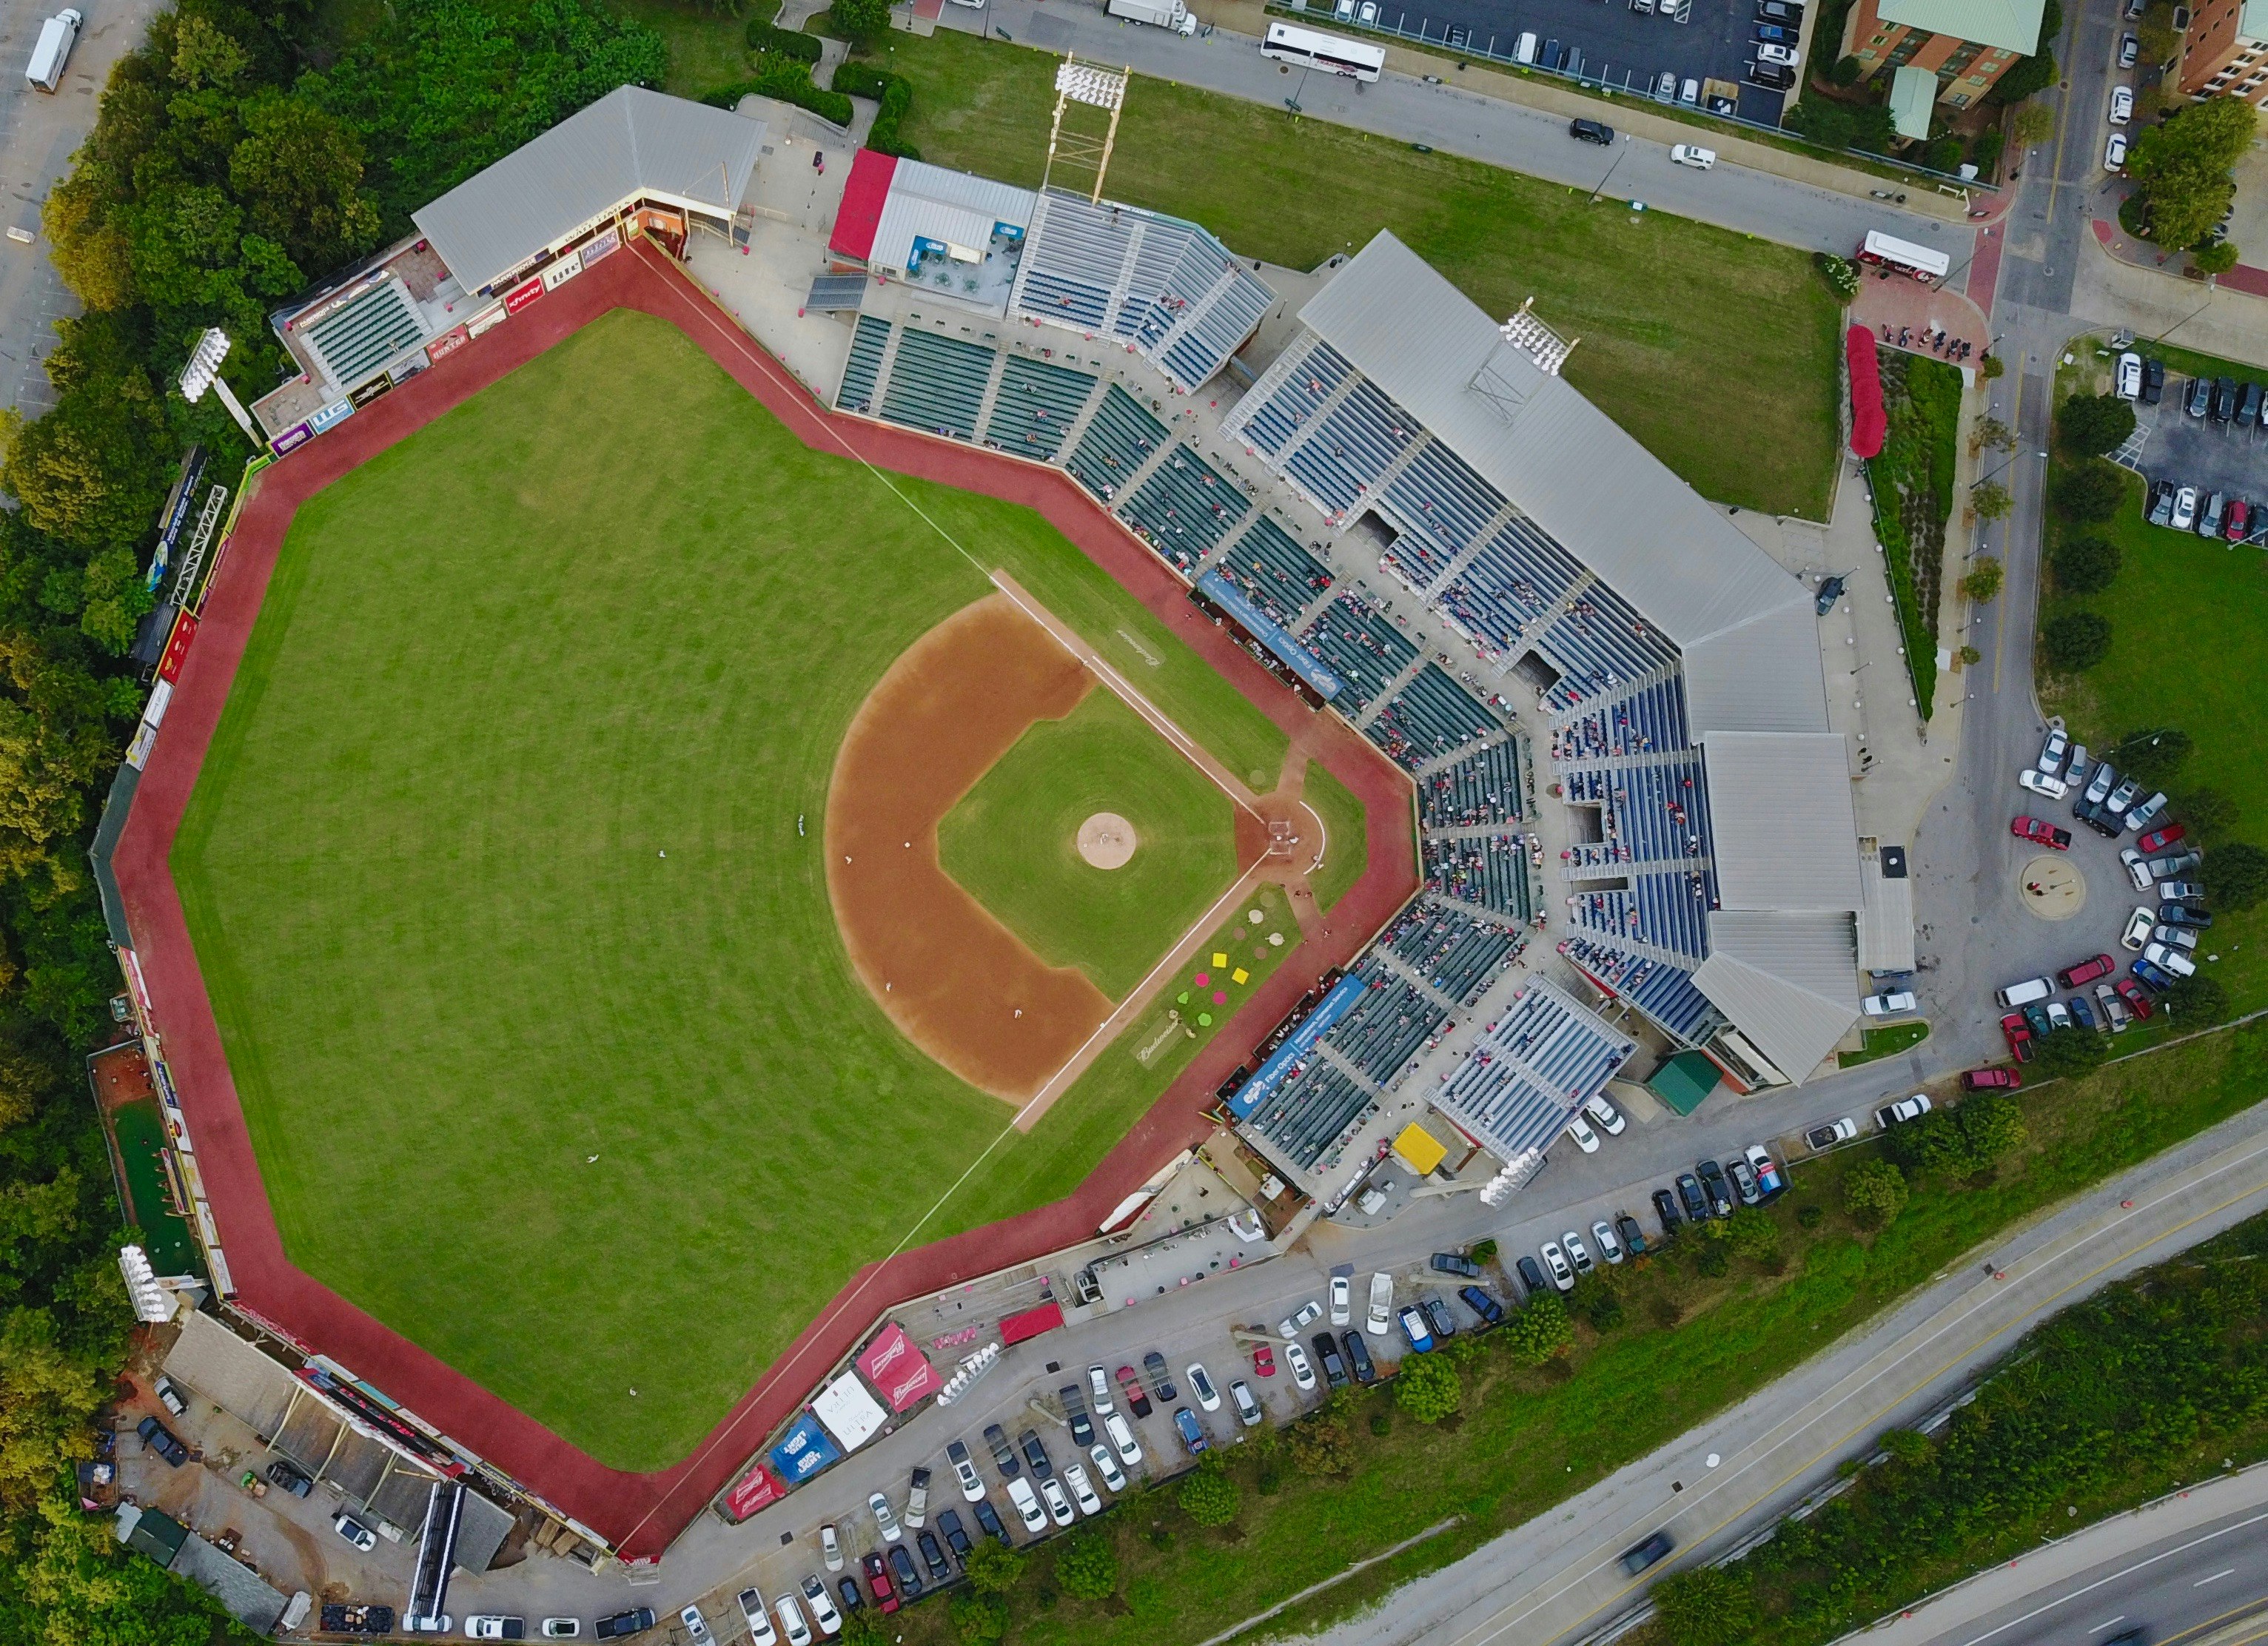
1294, 192
2215, 598
1689, 1347
1347, 840
1012, 842
494, 867
1884, 1043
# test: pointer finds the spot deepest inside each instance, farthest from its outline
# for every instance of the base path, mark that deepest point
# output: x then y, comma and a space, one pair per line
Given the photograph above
642, 1514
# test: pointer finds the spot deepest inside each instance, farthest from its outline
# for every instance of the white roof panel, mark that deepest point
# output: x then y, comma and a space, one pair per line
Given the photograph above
1779, 804
1788, 981
851, 1416
934, 203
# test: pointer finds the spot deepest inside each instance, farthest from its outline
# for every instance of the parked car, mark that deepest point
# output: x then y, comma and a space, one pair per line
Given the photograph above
492, 1626
878, 1576
1025, 1503
2018, 1034
823, 1609
901, 1569
1303, 1374
2185, 505
2180, 891
1035, 1453
1744, 1182
1004, 1455
1695, 1201
2137, 998
1713, 1179
2224, 399
1122, 1439
1563, 1275
1263, 1360
1082, 1489
887, 1523
1452, 1263
2087, 971
1585, 1139
2170, 957
162, 1440
2138, 929
2055, 749
1106, 1465
2173, 865
2158, 506
2137, 870
1382, 1304
1327, 1357
2200, 397
2122, 110
1903, 1110
1416, 1330
2114, 1009
917, 1514
830, 1542
1074, 1406
956, 1535
2130, 364
697, 1627
1531, 1276
1633, 1235
2037, 1016
1154, 1367
1058, 1501
1591, 131
758, 1617
2175, 936
2042, 783
790, 1619
1609, 1244
2154, 974
2124, 796
1769, 1180
1889, 1003
1831, 1133
2129, 50
1292, 1324
1578, 1253
2082, 1013
2237, 525
2183, 915
1771, 52
1248, 1408
622, 1625
1201, 1386
964, 1470
1130, 1386
1358, 1357
352, 1530
1192, 1433
2041, 832
1491, 1311
1437, 1315
1609, 1117
1342, 1299
1666, 1212
2153, 381
290, 1478
2158, 839
847, 1587
1990, 1080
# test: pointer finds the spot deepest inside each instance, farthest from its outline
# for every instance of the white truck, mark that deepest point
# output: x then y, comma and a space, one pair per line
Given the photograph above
1158, 13
45, 71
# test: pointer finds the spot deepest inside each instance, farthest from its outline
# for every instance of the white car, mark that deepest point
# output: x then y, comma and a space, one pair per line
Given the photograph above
564, 1629
792, 1623
1201, 1386
1903, 1110
1027, 1505
496, 1629
823, 1609
1342, 1300
2170, 958
2114, 152
1609, 1117
1610, 1248
697, 1627
1693, 155
355, 1533
964, 1470
2138, 929
1784, 56
1578, 1253
759, 1618
1562, 1278
1122, 1437
1058, 1503
2130, 376
2122, 104
1380, 1320
1098, 1396
2137, 870
2040, 784
1248, 1409
1309, 1312
1082, 1489
2186, 503
2175, 936
1303, 1373
879, 1506
1585, 1139
1112, 1476
1889, 1003
830, 1546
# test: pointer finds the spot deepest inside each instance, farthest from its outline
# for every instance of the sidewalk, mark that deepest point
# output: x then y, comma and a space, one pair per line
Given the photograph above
2213, 318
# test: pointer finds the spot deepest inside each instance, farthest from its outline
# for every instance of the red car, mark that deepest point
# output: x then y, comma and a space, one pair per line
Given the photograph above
1992, 1080
2019, 1034
2157, 840
2135, 996
2239, 517
878, 1579
2087, 971
2041, 834
1131, 1387
1263, 1361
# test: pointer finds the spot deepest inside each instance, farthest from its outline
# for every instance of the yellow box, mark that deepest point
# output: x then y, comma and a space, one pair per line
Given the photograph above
1240, 976
1220, 959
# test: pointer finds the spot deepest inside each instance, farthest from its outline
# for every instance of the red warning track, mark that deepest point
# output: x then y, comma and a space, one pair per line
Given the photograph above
642, 1513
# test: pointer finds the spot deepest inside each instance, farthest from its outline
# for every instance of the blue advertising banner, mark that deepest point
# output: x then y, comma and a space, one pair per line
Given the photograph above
1320, 1022
803, 1450
1269, 633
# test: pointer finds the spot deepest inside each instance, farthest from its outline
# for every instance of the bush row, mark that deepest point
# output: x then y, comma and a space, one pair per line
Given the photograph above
893, 92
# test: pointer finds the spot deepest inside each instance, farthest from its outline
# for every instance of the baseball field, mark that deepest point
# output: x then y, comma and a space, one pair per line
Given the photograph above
507, 877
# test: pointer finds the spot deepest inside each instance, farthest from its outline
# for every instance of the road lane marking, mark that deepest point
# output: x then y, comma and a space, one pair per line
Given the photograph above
2163, 1554
2007, 546
2099, 1627
2228, 1571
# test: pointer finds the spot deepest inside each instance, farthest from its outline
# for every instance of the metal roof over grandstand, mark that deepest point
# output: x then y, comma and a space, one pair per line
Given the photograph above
1787, 835
1563, 461
1786, 979
953, 209
631, 143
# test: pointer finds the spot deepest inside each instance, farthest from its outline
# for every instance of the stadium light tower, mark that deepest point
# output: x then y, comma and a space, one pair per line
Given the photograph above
1088, 86
203, 372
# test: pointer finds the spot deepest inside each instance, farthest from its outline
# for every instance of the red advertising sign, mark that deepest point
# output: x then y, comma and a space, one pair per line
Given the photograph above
448, 342
759, 1487
1017, 1327
177, 647
895, 1368
523, 294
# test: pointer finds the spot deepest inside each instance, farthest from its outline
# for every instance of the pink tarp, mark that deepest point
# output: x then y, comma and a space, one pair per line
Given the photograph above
757, 1489
893, 1365
1031, 1323
1867, 422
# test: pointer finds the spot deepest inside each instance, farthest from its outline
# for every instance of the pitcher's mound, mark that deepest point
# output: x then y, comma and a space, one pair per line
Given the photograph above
1107, 841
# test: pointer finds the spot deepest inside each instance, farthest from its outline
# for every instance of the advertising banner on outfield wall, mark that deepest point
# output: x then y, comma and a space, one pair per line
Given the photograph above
569, 266
894, 1366
600, 246
525, 293
758, 1488
448, 342
177, 647
803, 1450
297, 436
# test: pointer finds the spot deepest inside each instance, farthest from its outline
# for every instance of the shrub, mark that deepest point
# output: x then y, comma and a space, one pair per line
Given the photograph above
2209, 813
2237, 876
1208, 1496
1992, 1125
1540, 1332
1706, 1606
1713, 1263
1086, 1567
894, 92
2070, 1053
2217, 259
1319, 1445
1810, 1216
2091, 424
1840, 273
1604, 1311
2089, 491
977, 1619
1990, 366
1944, 154
1381, 1423
993, 1568
2156, 757
1429, 1388
861, 22
1484, 1251
1753, 1235
2084, 565
2075, 641
790, 82
1875, 1193
1845, 71
2197, 1000
1829, 124
781, 43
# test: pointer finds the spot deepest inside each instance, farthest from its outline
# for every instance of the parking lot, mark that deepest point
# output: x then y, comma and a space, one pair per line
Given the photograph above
1612, 42
2230, 458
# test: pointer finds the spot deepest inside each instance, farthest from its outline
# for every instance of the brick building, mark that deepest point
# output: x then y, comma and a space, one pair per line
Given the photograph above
2225, 53
1967, 44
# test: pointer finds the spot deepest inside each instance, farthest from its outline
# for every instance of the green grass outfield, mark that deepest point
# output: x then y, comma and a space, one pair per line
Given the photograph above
1012, 842
607, 609
1346, 836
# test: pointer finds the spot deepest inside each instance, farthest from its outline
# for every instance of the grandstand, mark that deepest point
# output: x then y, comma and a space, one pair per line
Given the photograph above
1120, 439
1355, 637
1275, 573
1184, 509
1531, 1069
1455, 953
1037, 405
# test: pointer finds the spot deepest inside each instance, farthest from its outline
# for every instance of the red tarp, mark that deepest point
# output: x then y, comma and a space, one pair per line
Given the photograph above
758, 1487
1867, 423
860, 215
1031, 1323
892, 1364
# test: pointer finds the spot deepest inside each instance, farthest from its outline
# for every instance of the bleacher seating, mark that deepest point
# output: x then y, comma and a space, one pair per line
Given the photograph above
1453, 951
1530, 1070
1037, 406
1649, 719
1073, 253
1183, 508
1431, 716
1600, 644
1358, 441
1492, 870
1483, 788
1386, 1027
937, 384
1311, 1110
1516, 577
1445, 508
1655, 811
1357, 642
1662, 991
1279, 576
1119, 439
867, 344
1286, 397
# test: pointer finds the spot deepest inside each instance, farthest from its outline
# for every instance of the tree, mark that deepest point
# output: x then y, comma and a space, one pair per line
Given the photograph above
993, 1568
1944, 154
1540, 1332
1751, 1232
862, 1627
861, 22
2209, 814
1875, 1193
1710, 1606
1984, 580
1320, 1444
1830, 125
2155, 757
2027, 76
2091, 424
1086, 1566
1990, 366
1992, 1125
2181, 167
2197, 1000
2084, 565
2069, 1053
1208, 1496
1428, 1388
2237, 876
2217, 259
2075, 641
2032, 125
1991, 500
1990, 434
2089, 491
1845, 71
977, 1619
298, 173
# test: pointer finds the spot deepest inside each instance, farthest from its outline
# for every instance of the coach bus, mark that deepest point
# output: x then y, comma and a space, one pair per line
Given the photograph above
1331, 53
1904, 256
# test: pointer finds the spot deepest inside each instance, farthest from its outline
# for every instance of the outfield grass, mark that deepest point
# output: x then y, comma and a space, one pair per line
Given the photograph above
1688, 1348
1346, 843
1012, 842
504, 874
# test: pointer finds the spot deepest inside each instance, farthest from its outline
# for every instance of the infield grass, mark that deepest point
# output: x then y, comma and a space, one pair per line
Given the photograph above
504, 874
1012, 842
1346, 837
